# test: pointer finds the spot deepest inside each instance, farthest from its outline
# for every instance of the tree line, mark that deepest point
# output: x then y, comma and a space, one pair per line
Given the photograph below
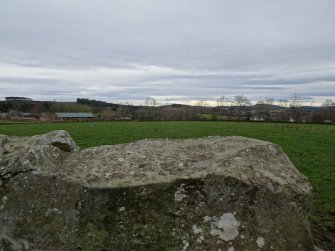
236, 108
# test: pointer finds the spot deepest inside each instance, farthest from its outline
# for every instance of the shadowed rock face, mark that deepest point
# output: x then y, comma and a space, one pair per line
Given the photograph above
228, 193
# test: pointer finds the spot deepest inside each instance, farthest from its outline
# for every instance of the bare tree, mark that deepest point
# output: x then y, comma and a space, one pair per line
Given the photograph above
201, 108
282, 102
202, 103
269, 101
260, 111
295, 101
328, 103
123, 111
241, 102
283, 109
150, 101
295, 107
329, 109
221, 101
149, 104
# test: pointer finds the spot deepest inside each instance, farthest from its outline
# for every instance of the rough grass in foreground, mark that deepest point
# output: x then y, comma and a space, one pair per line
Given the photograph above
310, 147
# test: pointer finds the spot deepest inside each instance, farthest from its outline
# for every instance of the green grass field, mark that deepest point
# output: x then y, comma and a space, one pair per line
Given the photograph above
310, 147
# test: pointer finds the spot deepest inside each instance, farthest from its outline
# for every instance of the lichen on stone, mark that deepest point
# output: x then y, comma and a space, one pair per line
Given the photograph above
186, 244
225, 227
260, 242
180, 194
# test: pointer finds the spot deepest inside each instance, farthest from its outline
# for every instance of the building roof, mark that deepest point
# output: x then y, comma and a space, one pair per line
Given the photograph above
74, 115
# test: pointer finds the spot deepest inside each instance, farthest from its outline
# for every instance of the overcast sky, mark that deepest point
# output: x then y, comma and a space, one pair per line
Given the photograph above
175, 50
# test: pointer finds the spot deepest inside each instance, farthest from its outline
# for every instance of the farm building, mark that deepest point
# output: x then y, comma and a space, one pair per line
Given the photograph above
74, 115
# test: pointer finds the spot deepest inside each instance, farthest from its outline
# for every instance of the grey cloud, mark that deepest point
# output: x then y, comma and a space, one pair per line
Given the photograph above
125, 49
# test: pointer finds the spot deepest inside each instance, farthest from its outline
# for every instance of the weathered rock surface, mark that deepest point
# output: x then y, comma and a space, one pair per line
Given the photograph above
213, 193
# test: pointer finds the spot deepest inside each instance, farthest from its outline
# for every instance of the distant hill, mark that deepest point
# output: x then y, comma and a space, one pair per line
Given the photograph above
112, 111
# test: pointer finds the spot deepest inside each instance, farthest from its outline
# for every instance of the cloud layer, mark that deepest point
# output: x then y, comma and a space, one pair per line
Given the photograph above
174, 50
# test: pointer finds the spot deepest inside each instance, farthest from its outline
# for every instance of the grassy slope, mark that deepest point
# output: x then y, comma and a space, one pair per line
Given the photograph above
310, 147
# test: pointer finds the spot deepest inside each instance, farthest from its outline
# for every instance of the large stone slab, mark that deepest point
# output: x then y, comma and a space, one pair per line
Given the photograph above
214, 193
